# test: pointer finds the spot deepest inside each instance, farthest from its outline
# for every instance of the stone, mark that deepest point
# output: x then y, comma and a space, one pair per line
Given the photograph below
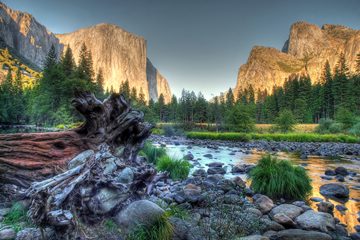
311, 220
355, 236
335, 189
7, 234
125, 176
106, 200
341, 208
269, 225
357, 228
189, 157
316, 199
191, 189
264, 204
199, 173
330, 172
110, 165
215, 164
141, 212
299, 234
4, 211
34, 234
341, 171
326, 207
284, 220
208, 155
216, 170
243, 168
289, 210
253, 237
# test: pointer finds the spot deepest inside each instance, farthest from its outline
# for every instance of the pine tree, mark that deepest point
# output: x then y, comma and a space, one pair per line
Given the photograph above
133, 95
358, 64
142, 100
85, 66
99, 91
51, 59
125, 89
251, 94
230, 99
340, 84
328, 98
67, 62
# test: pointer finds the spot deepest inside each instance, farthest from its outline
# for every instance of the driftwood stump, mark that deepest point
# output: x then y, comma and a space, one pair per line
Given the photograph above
35, 156
88, 161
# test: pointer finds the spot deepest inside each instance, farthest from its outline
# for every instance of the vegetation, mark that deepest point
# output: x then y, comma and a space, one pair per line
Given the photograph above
280, 179
17, 217
285, 122
152, 153
177, 168
160, 229
290, 137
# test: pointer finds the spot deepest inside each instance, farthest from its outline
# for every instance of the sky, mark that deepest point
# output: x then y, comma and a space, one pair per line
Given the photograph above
198, 45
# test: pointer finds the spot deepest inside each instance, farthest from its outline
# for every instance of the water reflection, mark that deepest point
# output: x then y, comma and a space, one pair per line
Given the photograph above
315, 166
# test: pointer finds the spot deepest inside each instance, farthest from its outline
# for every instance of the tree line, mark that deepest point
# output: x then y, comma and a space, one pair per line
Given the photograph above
48, 101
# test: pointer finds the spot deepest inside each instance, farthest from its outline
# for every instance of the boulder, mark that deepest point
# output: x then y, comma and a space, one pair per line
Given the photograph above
284, 220
142, 212
125, 176
335, 190
34, 234
216, 170
215, 164
311, 220
326, 207
199, 173
264, 204
330, 172
106, 200
7, 234
189, 157
254, 237
208, 155
341, 171
289, 210
299, 234
243, 168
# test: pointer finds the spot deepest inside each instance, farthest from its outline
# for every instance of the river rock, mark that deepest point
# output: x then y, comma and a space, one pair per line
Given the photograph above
341, 208
326, 207
335, 189
199, 173
106, 200
215, 164
216, 170
330, 172
311, 220
253, 237
289, 210
264, 204
7, 234
125, 176
243, 168
355, 236
189, 156
284, 220
341, 171
208, 155
299, 234
142, 212
34, 234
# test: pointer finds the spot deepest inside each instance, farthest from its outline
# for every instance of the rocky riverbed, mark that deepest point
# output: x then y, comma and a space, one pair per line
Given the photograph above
218, 201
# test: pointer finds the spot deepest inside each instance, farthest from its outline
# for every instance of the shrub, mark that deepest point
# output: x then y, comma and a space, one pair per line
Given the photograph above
285, 122
345, 117
324, 125
280, 179
355, 130
152, 153
240, 119
161, 229
169, 131
178, 168
336, 127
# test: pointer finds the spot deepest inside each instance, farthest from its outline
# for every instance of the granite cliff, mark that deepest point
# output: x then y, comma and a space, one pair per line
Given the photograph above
120, 54
305, 52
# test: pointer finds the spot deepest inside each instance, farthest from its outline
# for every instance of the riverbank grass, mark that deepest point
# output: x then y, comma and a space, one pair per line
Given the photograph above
287, 137
177, 168
152, 153
280, 179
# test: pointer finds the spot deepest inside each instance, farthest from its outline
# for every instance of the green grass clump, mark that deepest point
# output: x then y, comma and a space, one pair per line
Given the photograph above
152, 153
17, 217
287, 137
280, 179
178, 168
161, 229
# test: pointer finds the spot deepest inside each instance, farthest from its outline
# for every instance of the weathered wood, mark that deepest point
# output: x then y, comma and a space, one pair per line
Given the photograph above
25, 157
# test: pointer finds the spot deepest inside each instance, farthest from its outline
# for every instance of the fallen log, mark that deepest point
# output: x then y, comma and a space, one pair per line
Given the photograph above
28, 157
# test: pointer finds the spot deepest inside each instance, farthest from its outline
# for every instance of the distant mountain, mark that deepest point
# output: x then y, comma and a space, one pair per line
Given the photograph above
305, 52
120, 54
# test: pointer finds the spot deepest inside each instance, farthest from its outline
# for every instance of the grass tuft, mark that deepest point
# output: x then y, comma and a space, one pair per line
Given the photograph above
161, 229
178, 168
152, 153
17, 217
280, 179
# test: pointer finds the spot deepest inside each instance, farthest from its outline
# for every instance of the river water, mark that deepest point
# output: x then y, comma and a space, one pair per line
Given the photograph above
315, 166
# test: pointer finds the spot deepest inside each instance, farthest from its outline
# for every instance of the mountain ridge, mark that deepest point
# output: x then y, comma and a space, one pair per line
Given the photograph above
121, 54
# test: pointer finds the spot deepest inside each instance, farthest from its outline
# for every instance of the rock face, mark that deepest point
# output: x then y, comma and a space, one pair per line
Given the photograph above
120, 54
22, 32
305, 52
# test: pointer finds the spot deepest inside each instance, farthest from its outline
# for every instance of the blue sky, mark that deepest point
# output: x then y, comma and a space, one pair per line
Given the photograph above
196, 44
